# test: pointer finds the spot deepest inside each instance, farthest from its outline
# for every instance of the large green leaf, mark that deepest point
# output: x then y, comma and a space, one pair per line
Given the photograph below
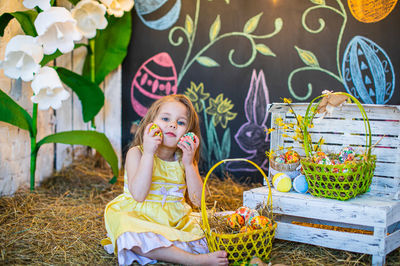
25, 18
111, 45
12, 113
90, 95
96, 140
50, 57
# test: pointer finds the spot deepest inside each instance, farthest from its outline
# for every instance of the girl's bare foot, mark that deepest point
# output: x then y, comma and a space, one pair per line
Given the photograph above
215, 258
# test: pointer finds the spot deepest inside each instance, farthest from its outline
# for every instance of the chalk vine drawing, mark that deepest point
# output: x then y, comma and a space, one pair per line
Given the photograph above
190, 29
369, 73
369, 11
213, 150
251, 136
149, 83
146, 7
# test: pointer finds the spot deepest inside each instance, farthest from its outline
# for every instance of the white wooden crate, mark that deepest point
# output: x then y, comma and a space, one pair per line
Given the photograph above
377, 211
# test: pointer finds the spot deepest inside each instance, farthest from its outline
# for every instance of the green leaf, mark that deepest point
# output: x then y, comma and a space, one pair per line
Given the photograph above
318, 2
206, 61
12, 113
214, 29
74, 2
111, 46
25, 18
263, 49
48, 58
96, 140
307, 57
252, 23
90, 95
189, 24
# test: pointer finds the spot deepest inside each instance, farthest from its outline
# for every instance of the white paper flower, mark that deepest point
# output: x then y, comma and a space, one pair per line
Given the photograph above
22, 57
90, 15
118, 7
42, 4
57, 29
48, 89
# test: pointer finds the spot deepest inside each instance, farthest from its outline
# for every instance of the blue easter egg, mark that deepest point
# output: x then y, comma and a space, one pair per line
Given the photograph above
367, 71
300, 184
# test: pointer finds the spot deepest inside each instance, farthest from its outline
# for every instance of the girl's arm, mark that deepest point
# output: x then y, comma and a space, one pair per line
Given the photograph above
139, 167
193, 180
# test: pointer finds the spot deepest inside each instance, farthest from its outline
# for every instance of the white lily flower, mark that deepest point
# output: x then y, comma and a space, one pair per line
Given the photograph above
22, 57
42, 4
118, 7
57, 29
48, 89
90, 15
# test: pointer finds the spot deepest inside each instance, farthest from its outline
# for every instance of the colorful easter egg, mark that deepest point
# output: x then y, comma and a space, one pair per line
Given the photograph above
369, 11
145, 8
250, 215
321, 158
235, 221
292, 156
367, 71
300, 184
280, 159
155, 78
155, 126
282, 182
346, 154
260, 222
246, 212
245, 229
186, 137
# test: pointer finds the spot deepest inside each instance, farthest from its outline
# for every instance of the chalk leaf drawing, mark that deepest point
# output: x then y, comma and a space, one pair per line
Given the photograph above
251, 136
146, 7
189, 32
197, 95
366, 72
155, 78
220, 108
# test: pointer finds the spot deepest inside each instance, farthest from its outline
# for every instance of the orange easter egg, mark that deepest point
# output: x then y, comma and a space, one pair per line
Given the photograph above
370, 11
260, 222
235, 221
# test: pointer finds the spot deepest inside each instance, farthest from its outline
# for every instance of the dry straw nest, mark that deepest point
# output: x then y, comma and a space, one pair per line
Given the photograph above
61, 223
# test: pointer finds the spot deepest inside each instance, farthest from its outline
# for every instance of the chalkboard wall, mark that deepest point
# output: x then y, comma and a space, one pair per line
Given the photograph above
233, 57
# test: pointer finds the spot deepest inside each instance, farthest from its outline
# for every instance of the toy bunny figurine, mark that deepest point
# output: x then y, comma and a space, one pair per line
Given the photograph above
251, 136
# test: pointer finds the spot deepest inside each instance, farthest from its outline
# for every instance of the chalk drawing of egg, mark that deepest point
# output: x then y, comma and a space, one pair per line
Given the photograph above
371, 11
367, 71
154, 79
149, 7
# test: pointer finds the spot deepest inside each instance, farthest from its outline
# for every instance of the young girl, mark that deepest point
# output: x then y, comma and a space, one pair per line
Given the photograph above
151, 221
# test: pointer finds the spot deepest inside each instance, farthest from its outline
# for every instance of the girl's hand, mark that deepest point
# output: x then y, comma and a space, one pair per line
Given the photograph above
150, 140
188, 150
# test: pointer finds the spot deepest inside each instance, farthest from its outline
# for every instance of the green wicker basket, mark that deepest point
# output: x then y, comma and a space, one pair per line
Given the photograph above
341, 181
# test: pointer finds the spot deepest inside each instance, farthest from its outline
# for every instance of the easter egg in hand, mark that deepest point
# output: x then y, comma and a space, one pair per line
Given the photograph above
157, 133
235, 221
187, 137
260, 222
282, 182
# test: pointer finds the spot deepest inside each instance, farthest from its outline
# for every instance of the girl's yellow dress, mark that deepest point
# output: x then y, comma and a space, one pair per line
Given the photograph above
162, 220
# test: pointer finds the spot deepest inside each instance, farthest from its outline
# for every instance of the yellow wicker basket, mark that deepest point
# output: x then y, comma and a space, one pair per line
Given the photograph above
241, 246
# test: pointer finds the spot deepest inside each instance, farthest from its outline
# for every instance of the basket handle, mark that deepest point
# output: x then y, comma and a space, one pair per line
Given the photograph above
203, 200
309, 117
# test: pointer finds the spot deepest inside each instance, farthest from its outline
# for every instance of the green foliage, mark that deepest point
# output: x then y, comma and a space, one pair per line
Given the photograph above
90, 94
110, 47
25, 18
93, 139
12, 113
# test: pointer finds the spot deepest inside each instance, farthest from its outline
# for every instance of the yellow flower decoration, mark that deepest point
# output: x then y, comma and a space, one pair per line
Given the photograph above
196, 94
286, 100
220, 109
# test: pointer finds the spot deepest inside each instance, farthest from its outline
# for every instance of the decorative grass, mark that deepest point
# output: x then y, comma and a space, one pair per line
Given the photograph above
61, 223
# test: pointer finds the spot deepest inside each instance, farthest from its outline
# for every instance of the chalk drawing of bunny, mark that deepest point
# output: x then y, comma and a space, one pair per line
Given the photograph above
251, 136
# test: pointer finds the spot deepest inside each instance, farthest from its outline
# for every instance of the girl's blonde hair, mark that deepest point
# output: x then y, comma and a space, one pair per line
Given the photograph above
193, 119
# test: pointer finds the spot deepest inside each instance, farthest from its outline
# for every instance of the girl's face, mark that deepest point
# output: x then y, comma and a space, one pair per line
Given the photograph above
172, 118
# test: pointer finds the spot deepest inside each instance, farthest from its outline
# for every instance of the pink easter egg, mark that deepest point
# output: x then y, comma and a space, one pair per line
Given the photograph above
154, 79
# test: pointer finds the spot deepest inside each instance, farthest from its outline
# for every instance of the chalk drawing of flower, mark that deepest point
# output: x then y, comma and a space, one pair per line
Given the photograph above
196, 94
220, 109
